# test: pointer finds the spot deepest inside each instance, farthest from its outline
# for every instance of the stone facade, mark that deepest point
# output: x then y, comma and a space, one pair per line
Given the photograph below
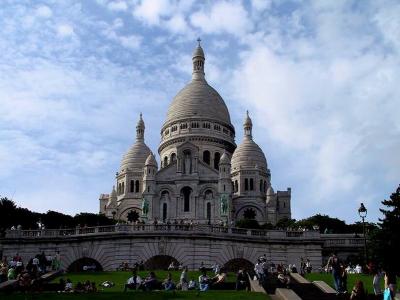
203, 176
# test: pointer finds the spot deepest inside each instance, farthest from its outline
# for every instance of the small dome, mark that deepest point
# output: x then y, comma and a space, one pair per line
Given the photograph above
225, 159
136, 156
270, 191
112, 198
198, 52
151, 160
248, 155
247, 120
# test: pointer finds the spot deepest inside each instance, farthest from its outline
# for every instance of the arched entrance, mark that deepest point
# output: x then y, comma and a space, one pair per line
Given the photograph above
85, 264
235, 264
160, 262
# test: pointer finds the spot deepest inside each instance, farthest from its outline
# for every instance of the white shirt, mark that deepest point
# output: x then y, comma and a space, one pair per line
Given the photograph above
35, 261
138, 280
258, 268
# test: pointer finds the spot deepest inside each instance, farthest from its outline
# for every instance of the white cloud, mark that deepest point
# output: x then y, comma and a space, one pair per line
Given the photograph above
117, 5
223, 17
131, 42
177, 24
65, 30
151, 12
44, 11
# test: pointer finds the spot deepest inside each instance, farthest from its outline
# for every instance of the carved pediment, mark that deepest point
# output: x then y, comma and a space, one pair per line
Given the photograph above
167, 173
207, 171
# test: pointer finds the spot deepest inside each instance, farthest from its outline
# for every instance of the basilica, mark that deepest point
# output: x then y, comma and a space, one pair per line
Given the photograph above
203, 176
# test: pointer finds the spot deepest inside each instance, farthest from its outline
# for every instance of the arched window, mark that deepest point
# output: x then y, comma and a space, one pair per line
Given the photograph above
186, 191
208, 212
265, 186
164, 212
206, 157
165, 161
246, 184
173, 158
236, 186
132, 188
119, 188
217, 156
261, 185
224, 187
123, 187
137, 186
148, 189
251, 184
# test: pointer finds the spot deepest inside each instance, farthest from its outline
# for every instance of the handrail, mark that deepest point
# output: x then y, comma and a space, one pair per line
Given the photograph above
162, 228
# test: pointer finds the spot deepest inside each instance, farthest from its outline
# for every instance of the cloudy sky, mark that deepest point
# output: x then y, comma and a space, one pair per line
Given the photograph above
321, 80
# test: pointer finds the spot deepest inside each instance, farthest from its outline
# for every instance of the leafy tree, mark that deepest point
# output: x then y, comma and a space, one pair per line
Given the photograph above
248, 223
285, 223
91, 219
54, 219
385, 242
325, 224
133, 216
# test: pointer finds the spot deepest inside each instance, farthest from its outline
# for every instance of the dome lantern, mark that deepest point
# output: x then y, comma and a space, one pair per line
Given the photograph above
198, 62
248, 126
140, 129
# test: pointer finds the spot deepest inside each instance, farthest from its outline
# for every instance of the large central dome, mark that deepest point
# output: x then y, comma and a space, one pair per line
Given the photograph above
198, 100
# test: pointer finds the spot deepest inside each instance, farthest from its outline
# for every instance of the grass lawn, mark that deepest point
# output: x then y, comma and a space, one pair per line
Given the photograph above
210, 295
120, 278
351, 280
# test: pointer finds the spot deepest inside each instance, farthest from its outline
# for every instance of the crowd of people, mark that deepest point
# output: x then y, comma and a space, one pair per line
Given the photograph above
340, 270
203, 283
28, 276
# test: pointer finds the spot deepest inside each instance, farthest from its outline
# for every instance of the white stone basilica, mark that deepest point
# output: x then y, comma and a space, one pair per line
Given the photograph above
203, 176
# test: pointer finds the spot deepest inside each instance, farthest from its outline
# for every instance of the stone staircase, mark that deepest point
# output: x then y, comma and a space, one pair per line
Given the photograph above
311, 291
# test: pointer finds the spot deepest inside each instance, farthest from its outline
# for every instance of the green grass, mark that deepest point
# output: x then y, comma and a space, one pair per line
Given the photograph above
351, 280
210, 295
120, 278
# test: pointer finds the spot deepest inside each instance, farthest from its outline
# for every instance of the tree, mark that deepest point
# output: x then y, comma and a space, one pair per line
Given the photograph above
385, 242
285, 223
248, 224
324, 222
133, 216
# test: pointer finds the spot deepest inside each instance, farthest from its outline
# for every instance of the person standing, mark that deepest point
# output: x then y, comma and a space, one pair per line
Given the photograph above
183, 280
334, 263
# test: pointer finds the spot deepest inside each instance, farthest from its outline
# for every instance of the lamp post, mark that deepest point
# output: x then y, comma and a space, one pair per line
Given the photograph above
362, 211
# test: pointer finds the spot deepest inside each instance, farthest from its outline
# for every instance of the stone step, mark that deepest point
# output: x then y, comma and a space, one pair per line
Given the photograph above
286, 294
324, 287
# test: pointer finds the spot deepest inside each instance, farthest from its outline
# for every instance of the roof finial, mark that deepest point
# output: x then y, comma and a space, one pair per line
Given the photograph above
199, 40
140, 115
247, 112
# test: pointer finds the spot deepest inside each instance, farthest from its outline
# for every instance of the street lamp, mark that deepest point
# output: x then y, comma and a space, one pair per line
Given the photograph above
362, 211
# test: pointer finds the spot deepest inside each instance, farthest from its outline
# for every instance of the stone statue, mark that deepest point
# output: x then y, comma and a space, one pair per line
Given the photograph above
224, 205
187, 163
145, 207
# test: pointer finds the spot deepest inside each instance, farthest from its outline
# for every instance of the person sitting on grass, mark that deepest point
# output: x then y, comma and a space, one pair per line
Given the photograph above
204, 282
358, 292
133, 282
79, 288
168, 284
192, 285
150, 283
171, 266
68, 286
218, 280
